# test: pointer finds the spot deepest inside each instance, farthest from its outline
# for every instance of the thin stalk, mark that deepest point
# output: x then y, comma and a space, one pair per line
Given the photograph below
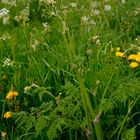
87, 113
129, 111
3, 107
97, 125
90, 114
105, 91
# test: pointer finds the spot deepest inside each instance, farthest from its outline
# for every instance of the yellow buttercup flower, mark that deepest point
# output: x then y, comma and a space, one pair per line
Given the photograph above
119, 54
11, 95
133, 64
15, 93
118, 48
7, 115
132, 56
138, 53
137, 58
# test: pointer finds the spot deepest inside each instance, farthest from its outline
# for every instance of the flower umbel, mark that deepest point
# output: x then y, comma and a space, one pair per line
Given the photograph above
7, 115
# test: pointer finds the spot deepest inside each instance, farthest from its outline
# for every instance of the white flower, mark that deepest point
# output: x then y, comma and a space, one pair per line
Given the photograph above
35, 44
107, 7
46, 28
84, 19
92, 22
51, 1
45, 24
6, 20
11, 2
8, 62
23, 16
95, 12
73, 5
47, 1
5, 36
123, 1
4, 12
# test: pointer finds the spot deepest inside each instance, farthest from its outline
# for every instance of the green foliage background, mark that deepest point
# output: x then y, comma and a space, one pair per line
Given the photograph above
71, 85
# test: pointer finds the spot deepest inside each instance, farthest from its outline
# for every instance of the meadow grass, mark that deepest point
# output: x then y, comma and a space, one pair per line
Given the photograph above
70, 69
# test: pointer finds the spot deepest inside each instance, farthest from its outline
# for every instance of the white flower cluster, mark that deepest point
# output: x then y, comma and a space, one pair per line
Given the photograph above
11, 2
73, 5
46, 28
23, 16
47, 1
95, 39
51, 1
8, 62
4, 14
35, 44
86, 20
5, 36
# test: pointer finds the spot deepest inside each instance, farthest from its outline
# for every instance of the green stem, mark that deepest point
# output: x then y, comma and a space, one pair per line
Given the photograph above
124, 120
3, 108
90, 114
105, 91
97, 125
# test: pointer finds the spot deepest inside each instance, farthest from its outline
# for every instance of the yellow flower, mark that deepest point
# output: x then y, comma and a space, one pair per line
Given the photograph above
11, 95
7, 115
119, 54
133, 64
138, 53
137, 58
118, 48
132, 56
15, 93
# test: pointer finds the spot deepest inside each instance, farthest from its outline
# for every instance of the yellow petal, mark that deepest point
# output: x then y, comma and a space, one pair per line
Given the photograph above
133, 64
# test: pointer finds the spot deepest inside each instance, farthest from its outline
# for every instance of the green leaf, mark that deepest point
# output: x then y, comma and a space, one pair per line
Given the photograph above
129, 134
42, 123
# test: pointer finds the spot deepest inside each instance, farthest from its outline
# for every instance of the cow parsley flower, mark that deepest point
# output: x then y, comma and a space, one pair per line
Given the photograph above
5, 36
35, 44
8, 62
4, 14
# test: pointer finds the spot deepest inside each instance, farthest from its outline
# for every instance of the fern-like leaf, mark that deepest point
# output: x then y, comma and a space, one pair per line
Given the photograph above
54, 127
129, 134
42, 123
30, 123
